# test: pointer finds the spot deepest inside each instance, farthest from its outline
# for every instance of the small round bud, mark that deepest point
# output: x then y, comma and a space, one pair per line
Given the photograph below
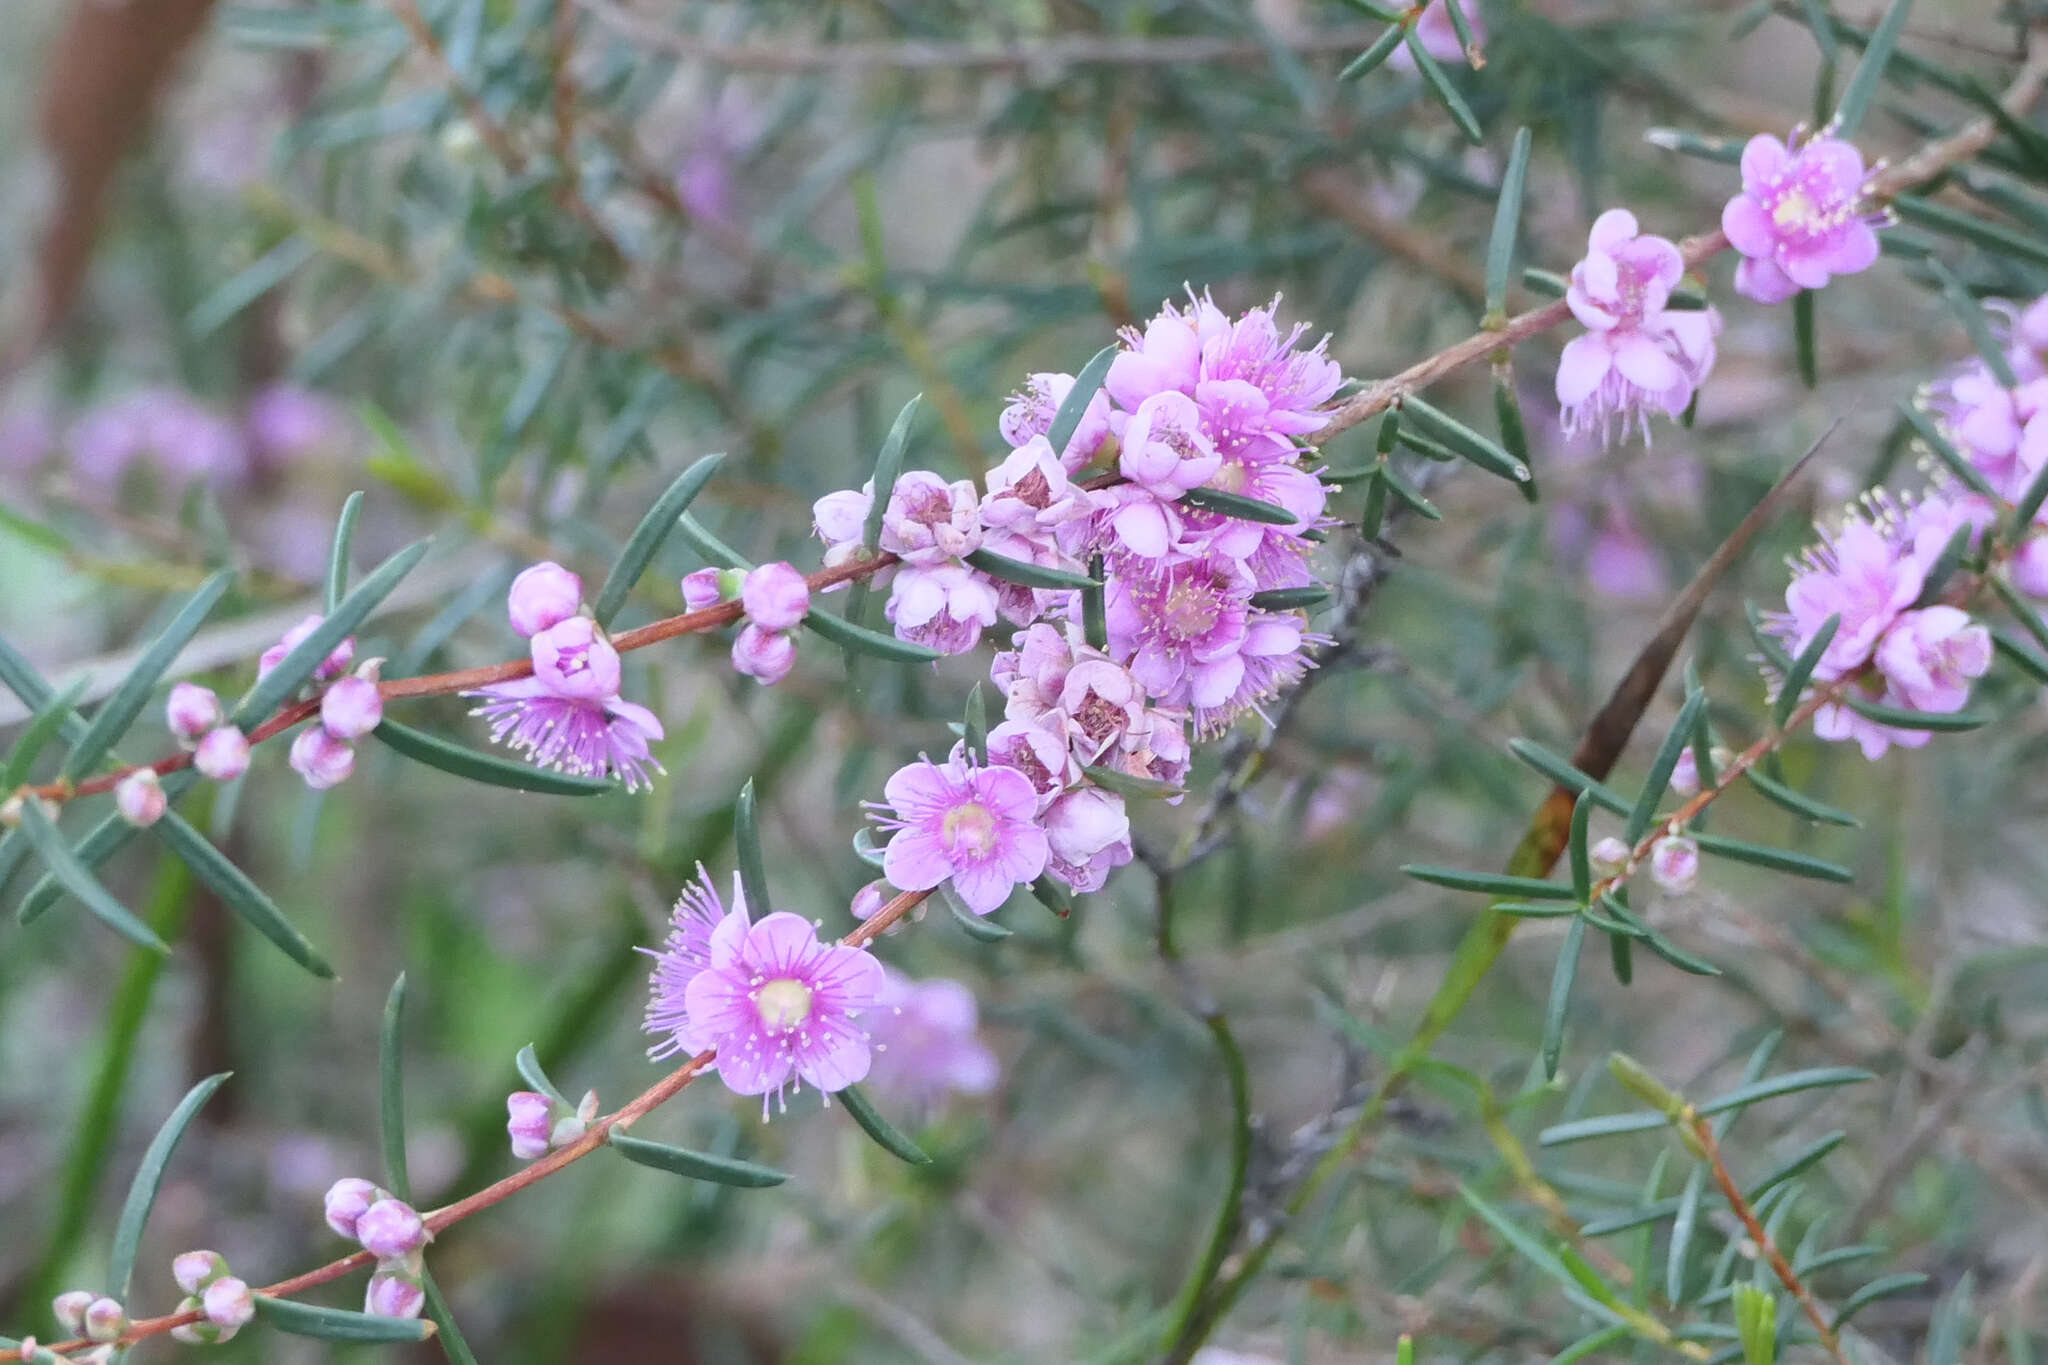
542, 596
69, 1308
321, 759
223, 755
1609, 857
390, 1230
333, 666
776, 596
191, 711
105, 1320
140, 798
346, 1203
573, 659
393, 1295
194, 1270
766, 656
351, 708
869, 900
201, 1333
1685, 774
530, 1117
702, 589
228, 1302
1675, 863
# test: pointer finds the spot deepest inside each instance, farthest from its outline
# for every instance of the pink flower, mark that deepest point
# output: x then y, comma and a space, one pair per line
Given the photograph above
227, 1302
530, 1118
775, 596
286, 421
1837, 722
351, 708
1087, 834
394, 1293
1801, 217
1182, 626
1685, 774
1164, 449
697, 914
840, 520
930, 521
1930, 656
347, 1202
766, 656
582, 736
544, 595
927, 1043
1627, 276
390, 1229
191, 711
1038, 753
1675, 863
321, 759
69, 1309
1859, 574
1620, 376
944, 608
223, 755
1179, 350
1032, 408
975, 826
703, 588
140, 798
1271, 659
1029, 493
573, 659
779, 1006
2002, 432
333, 666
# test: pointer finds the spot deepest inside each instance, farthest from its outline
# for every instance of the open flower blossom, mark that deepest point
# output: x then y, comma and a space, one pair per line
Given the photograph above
1802, 216
779, 1006
927, 1042
1638, 357
1032, 408
687, 951
960, 822
929, 521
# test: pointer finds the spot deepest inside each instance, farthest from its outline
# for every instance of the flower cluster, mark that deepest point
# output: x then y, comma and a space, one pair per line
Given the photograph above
776, 599
1890, 645
390, 1230
1802, 217
1639, 355
181, 440
568, 715
82, 1313
211, 1290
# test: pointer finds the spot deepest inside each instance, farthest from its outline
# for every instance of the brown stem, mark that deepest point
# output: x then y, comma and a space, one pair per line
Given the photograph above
663, 1090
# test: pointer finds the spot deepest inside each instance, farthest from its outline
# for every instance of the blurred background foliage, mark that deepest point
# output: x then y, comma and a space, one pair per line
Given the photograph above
509, 264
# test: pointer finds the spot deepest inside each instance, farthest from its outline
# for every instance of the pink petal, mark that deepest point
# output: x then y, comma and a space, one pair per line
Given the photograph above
1763, 160
1612, 230
780, 944
1643, 363
1748, 226
983, 887
1143, 529
1581, 368
835, 1058
915, 860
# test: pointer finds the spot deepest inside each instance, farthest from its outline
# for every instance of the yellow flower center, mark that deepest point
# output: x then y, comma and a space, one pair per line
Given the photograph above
1793, 210
783, 1004
971, 826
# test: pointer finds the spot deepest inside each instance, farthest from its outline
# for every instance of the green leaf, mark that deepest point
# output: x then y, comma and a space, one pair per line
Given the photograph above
1607, 1125
1803, 338
648, 536
868, 641
1030, 575
1998, 240
1621, 955
2030, 502
1129, 785
1507, 218
1591, 1345
1053, 896
1409, 495
20, 677
880, 1129
1800, 1161
1798, 802
888, 465
1489, 883
1580, 856
148, 1176
1559, 1004
344, 541
1453, 102
719, 1170
1368, 61
238, 892
1507, 415
1971, 315
1680, 1249
1791, 1083
1067, 420
530, 1070
1945, 565
1777, 859
1924, 426
746, 836
71, 874
2029, 661
1872, 1292
1756, 1323
979, 927
1291, 599
1526, 1246
1661, 767
2023, 611
443, 1318
864, 846
709, 547
338, 1324
1536, 909
247, 285
1876, 53
391, 1092
974, 726
1546, 282
119, 711
479, 766
1943, 722
1094, 620
1560, 770
276, 686
1948, 1330
100, 843
1478, 449
37, 734
1238, 506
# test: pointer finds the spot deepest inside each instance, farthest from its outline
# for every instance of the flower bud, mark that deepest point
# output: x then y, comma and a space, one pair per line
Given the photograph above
191, 711
347, 1201
228, 1302
321, 759
393, 1295
201, 1333
194, 1270
530, 1117
766, 656
389, 1230
776, 596
703, 588
573, 659
105, 1319
140, 798
542, 596
869, 900
1609, 857
1675, 863
351, 708
69, 1309
223, 755
1685, 774
333, 666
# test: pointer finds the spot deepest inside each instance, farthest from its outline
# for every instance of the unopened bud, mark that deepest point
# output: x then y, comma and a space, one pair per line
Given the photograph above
869, 900
105, 1319
191, 711
1675, 863
1609, 857
393, 1294
228, 1302
543, 595
530, 1115
346, 1203
140, 798
703, 588
351, 708
1685, 774
69, 1309
194, 1270
202, 1332
390, 1229
223, 754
